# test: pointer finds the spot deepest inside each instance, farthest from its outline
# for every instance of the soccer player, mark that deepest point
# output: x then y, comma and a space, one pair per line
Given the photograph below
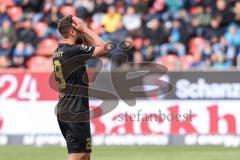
78, 42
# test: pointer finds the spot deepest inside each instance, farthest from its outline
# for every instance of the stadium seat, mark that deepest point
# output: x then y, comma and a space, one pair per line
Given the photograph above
170, 61
195, 44
15, 13
47, 47
40, 28
40, 63
193, 10
68, 10
196, 41
7, 2
138, 43
186, 61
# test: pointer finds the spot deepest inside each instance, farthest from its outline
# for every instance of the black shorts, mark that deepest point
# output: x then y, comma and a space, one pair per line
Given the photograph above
77, 136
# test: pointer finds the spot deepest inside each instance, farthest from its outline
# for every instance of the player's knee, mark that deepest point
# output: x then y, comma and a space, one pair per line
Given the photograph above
79, 156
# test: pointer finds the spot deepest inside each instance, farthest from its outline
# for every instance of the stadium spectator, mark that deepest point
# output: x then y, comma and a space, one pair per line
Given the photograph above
221, 48
140, 6
176, 40
7, 31
120, 34
101, 7
111, 20
31, 6
174, 5
5, 50
118, 37
21, 53
223, 10
201, 17
32, 9
236, 11
155, 32
148, 51
218, 62
52, 19
48, 4
27, 34
156, 27
232, 37
84, 8
7, 41
53, 16
120, 6
214, 32
3, 14
205, 52
131, 20
173, 8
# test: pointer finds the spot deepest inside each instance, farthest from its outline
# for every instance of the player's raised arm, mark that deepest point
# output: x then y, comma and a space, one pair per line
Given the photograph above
100, 49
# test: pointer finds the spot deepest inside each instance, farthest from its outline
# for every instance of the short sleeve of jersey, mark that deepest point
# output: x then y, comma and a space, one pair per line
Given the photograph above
80, 49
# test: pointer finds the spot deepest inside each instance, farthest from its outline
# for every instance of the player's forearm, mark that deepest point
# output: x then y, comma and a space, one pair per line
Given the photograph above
99, 43
96, 39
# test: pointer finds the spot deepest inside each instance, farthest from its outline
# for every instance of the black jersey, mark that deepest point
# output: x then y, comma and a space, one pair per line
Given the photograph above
69, 63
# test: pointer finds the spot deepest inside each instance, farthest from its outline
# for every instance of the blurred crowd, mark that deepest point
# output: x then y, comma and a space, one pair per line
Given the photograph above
181, 34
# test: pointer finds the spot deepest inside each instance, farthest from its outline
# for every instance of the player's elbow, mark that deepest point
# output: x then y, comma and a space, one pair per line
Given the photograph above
100, 51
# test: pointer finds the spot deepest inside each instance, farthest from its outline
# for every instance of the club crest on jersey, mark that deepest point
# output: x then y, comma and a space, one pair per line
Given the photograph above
85, 48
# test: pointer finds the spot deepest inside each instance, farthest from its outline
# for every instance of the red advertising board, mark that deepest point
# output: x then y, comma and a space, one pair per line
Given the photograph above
25, 85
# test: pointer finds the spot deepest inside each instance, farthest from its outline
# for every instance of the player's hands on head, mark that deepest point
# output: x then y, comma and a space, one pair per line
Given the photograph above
78, 24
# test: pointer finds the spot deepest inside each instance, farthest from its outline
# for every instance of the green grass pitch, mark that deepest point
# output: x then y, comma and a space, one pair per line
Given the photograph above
124, 153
